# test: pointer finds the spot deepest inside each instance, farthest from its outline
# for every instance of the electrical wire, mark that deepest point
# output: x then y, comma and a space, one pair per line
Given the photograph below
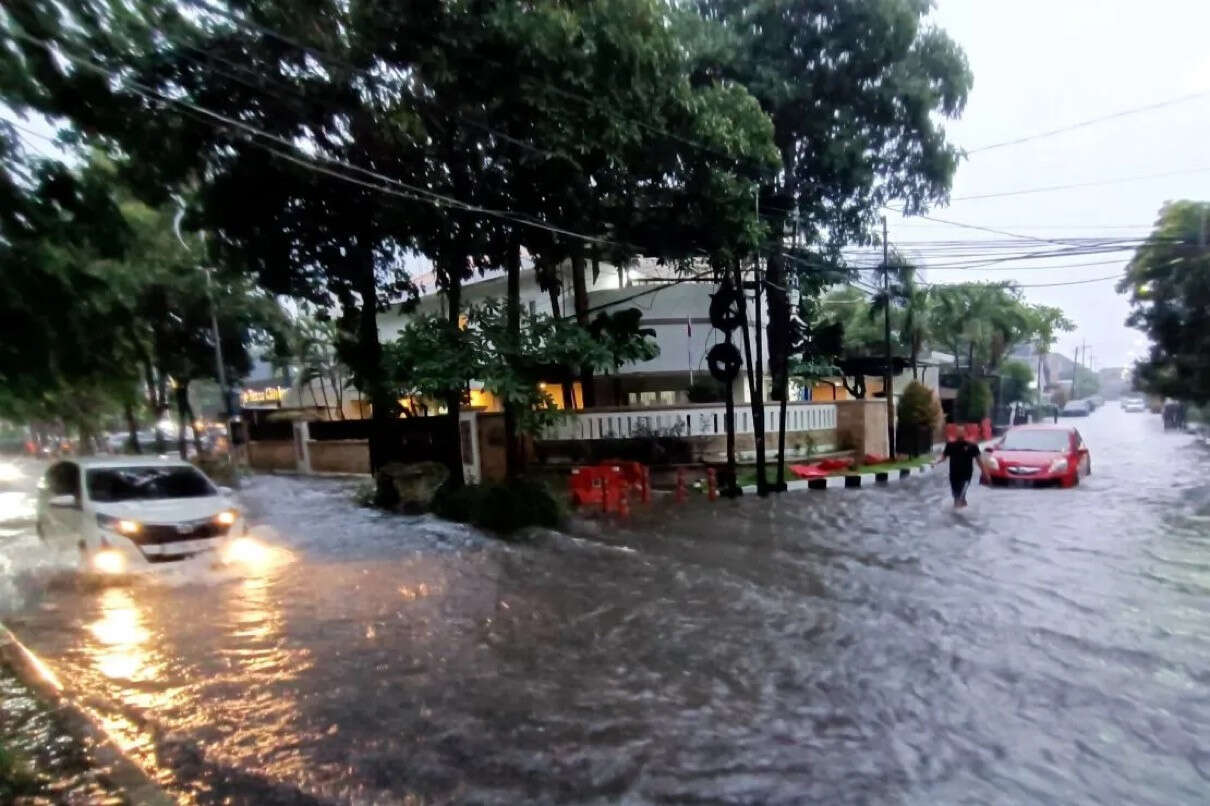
307, 161
1091, 122
1077, 185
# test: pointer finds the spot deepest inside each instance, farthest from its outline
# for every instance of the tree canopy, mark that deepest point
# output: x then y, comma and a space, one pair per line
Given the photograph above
1168, 285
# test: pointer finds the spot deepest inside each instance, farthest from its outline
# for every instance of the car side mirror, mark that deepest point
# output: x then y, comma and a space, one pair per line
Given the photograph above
990, 449
226, 491
64, 502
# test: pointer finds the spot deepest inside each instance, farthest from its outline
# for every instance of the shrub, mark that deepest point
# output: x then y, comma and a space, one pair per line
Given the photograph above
502, 508
974, 401
918, 406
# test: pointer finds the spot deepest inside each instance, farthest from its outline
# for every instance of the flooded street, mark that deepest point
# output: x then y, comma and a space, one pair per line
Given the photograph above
848, 646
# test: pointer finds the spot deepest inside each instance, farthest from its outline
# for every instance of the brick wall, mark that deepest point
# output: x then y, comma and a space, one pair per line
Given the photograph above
340, 456
861, 425
271, 455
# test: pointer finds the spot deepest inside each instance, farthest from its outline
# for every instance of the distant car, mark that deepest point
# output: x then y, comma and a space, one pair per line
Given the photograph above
1076, 408
1038, 454
131, 513
1097, 401
1134, 406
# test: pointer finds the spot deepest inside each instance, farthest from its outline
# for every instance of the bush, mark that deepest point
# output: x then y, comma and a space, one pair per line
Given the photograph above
974, 401
501, 508
918, 406
919, 414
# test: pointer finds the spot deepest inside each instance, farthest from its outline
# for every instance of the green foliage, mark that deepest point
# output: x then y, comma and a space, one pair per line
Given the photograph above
1015, 378
1166, 283
918, 406
501, 508
430, 359
1088, 383
974, 401
705, 389
980, 323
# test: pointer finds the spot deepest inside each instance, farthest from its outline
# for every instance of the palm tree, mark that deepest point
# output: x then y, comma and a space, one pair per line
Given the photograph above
913, 302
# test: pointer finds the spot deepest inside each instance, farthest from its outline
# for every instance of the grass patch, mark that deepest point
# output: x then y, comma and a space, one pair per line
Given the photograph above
747, 476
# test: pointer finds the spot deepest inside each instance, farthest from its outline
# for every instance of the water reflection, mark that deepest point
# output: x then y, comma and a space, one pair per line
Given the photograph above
865, 646
121, 651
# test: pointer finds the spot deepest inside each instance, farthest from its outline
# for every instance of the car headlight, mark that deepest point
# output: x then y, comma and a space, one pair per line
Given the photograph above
109, 561
123, 526
226, 517
1058, 465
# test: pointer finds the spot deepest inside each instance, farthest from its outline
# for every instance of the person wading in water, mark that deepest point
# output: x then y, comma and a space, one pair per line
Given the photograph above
963, 457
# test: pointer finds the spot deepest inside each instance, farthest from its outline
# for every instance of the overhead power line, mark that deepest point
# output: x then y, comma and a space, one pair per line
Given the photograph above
413, 192
1092, 122
1075, 185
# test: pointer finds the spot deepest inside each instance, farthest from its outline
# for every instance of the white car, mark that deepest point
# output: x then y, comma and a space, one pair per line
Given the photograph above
131, 513
1134, 406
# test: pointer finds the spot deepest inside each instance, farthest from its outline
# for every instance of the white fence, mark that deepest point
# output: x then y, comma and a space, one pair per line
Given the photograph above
689, 421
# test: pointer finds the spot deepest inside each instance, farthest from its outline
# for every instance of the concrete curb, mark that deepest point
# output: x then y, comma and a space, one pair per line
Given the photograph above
851, 481
103, 749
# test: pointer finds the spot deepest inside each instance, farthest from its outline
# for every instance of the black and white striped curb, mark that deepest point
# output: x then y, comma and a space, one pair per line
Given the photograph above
851, 481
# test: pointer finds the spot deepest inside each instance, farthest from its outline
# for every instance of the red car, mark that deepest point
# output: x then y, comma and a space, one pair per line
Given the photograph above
1038, 454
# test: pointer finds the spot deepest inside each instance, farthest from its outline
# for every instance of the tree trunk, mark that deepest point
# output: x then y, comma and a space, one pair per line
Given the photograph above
580, 286
778, 334
755, 388
182, 414
382, 447
132, 430
513, 455
453, 399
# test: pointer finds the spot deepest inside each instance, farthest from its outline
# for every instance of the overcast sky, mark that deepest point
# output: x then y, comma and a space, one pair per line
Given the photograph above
1044, 65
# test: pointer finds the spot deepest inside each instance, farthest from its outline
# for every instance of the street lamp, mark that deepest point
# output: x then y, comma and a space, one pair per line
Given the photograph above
219, 366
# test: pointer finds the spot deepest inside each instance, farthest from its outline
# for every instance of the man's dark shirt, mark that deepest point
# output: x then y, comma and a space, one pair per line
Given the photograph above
962, 456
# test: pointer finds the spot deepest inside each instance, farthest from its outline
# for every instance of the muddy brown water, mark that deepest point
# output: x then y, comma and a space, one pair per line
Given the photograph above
837, 647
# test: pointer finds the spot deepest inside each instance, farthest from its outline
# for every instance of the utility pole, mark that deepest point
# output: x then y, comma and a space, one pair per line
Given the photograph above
220, 369
888, 380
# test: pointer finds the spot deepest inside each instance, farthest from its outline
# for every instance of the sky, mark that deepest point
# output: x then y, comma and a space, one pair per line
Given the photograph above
1044, 65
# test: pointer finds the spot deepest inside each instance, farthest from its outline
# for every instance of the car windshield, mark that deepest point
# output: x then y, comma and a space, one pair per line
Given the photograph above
112, 484
1040, 440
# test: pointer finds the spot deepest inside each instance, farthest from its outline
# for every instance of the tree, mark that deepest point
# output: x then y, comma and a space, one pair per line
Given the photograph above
973, 402
1015, 378
856, 93
312, 350
984, 322
1168, 285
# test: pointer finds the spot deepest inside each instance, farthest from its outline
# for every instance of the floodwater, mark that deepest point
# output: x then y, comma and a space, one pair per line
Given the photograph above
847, 646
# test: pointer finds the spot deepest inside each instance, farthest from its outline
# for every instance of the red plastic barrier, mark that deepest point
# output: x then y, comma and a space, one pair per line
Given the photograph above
986, 427
835, 464
808, 471
875, 459
593, 485
972, 432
